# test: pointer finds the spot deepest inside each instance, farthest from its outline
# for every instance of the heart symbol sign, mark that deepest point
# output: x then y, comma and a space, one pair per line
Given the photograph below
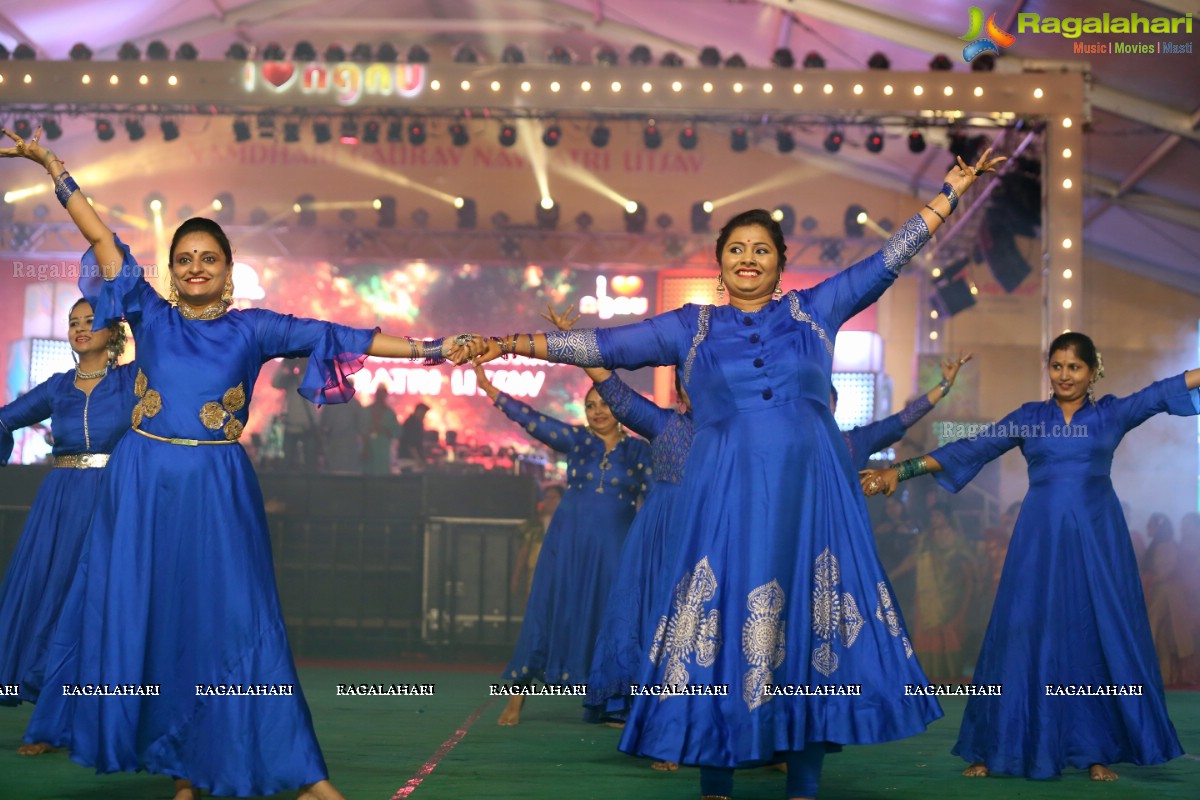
626, 284
279, 74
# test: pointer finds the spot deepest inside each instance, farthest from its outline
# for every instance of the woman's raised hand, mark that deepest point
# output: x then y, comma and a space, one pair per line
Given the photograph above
26, 148
962, 175
463, 348
951, 365
484, 384
561, 321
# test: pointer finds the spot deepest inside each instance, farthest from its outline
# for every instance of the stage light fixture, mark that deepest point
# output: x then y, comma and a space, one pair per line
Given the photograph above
459, 137
237, 52
687, 138
546, 214
51, 128
808, 224
874, 142
941, 63
385, 211
303, 50
814, 60
878, 61
583, 221
702, 216
464, 54
833, 142
135, 129
467, 214
266, 125
785, 215
420, 218
710, 57
416, 132
512, 55
80, 52
635, 218
785, 141
510, 248
23, 127
500, 221
606, 56
322, 133
291, 132
952, 297
154, 204
651, 136
670, 60
370, 131
739, 140
600, 135
395, 131
4, 57
508, 134
916, 141
241, 130
854, 220
552, 136
348, 131
222, 206
129, 52
303, 208
984, 62
783, 58
387, 53
157, 51
273, 52
186, 52
417, 55
334, 54
170, 130
640, 56
558, 55
735, 61
24, 52
361, 53
104, 130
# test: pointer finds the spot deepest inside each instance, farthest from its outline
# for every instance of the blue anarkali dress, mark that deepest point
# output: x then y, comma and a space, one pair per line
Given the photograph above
85, 428
627, 625
777, 584
176, 588
579, 558
1069, 609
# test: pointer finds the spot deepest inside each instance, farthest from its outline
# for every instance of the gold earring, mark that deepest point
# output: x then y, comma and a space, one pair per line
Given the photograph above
173, 295
779, 288
720, 287
227, 295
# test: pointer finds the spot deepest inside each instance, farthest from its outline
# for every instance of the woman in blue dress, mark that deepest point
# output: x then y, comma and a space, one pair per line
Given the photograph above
627, 627
782, 636
172, 630
88, 409
608, 472
1069, 632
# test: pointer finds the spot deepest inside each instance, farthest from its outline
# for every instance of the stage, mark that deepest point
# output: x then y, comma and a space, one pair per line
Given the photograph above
447, 747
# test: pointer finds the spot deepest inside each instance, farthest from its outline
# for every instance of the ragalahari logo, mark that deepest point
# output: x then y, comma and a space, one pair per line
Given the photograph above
992, 43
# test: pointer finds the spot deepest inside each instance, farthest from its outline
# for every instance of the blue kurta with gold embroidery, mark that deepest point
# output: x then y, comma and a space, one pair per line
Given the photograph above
1069, 608
47, 554
176, 586
628, 625
579, 556
776, 579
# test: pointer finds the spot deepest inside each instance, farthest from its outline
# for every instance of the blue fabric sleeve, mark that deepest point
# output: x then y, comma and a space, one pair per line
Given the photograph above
634, 411
962, 460
1169, 395
838, 298
128, 296
32, 407
873, 437
554, 434
334, 352
655, 342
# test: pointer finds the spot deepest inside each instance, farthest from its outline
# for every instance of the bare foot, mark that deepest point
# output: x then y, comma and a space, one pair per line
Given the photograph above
664, 766
976, 770
1099, 772
781, 766
36, 749
511, 715
185, 791
321, 790
614, 724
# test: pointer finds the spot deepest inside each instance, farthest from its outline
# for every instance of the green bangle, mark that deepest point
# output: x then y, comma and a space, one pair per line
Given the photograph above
910, 468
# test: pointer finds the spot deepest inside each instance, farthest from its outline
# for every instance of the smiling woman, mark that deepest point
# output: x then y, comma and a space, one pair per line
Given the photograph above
180, 589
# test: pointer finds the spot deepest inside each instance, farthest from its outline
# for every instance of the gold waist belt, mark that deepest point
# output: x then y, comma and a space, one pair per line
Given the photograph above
82, 461
186, 442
